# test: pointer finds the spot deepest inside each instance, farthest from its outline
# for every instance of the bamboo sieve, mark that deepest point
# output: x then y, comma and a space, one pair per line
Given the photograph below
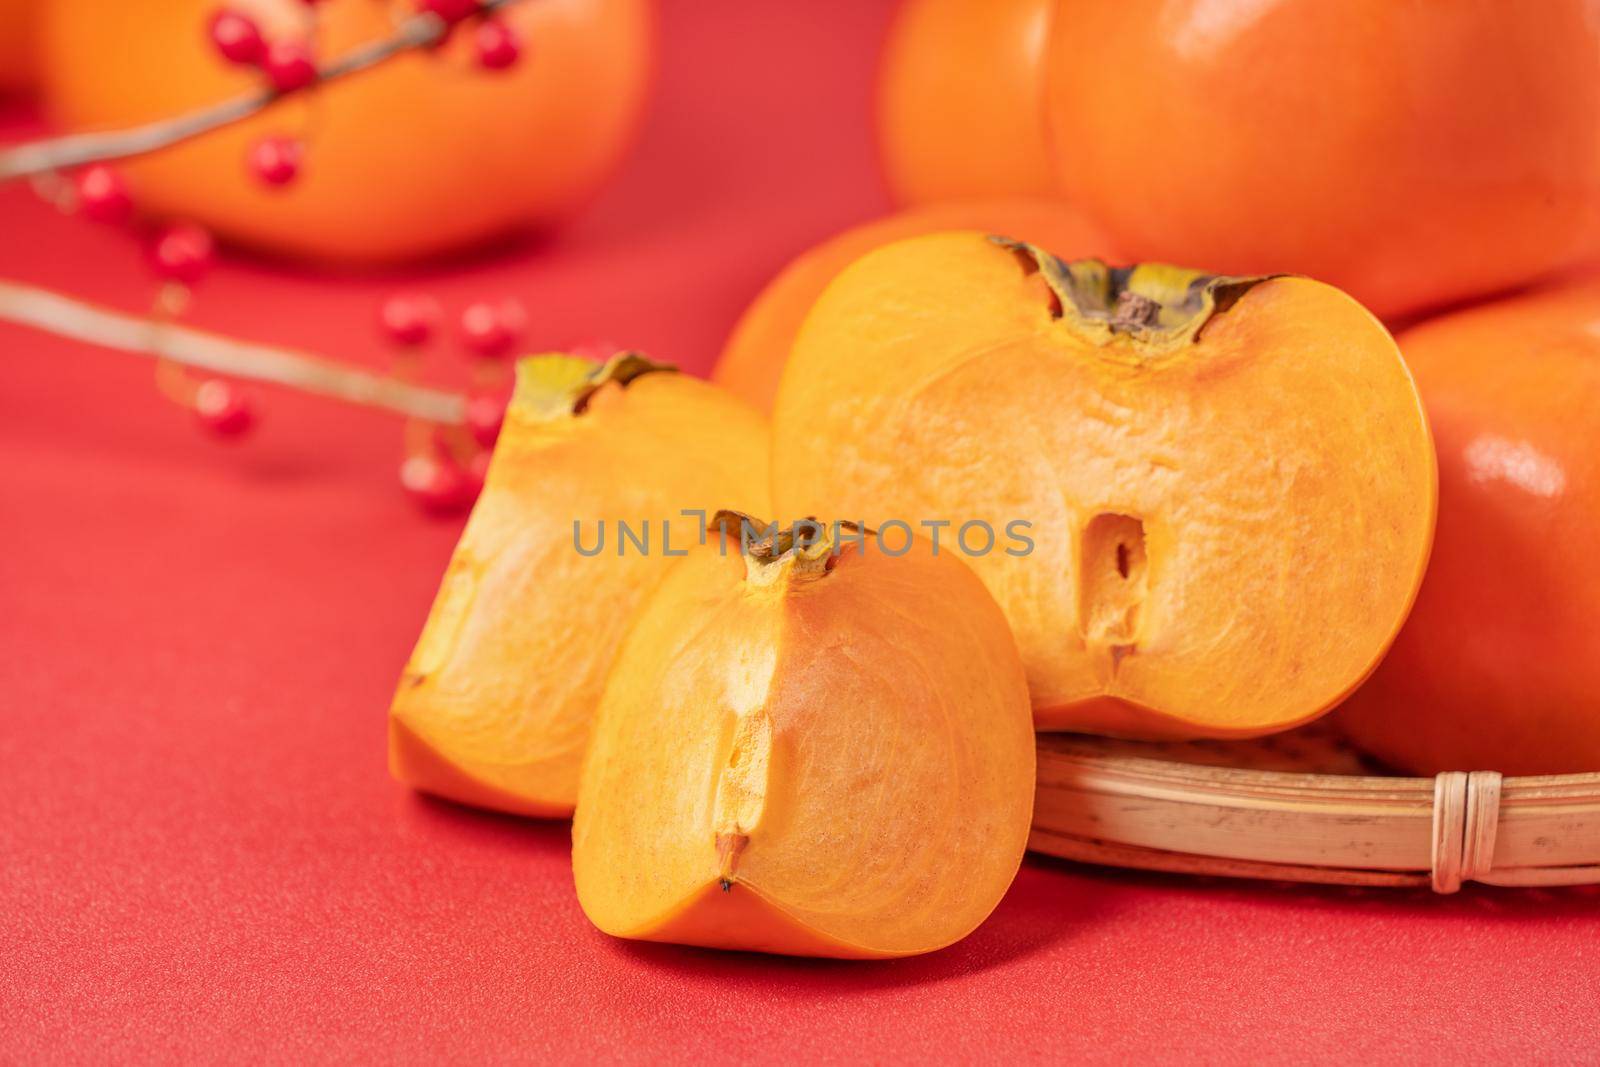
1303, 807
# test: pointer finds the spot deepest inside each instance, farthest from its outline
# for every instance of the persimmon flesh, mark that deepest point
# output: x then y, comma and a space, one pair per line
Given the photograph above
1228, 482
752, 363
495, 706
1498, 667
814, 747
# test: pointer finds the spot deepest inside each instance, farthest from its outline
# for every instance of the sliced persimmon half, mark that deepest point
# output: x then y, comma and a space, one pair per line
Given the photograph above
1222, 489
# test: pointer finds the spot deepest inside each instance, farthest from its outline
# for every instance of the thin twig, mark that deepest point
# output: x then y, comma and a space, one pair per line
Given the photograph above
59, 153
81, 321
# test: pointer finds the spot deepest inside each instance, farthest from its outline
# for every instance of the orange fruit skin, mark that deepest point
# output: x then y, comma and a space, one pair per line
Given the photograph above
495, 705
1226, 534
960, 90
862, 733
1498, 667
426, 154
1412, 154
751, 364
17, 46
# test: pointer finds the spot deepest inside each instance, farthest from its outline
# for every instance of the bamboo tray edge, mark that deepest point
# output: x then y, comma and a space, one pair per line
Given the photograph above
1336, 822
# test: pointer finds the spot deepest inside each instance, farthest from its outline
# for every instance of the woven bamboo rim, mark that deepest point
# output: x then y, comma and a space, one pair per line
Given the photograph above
1247, 810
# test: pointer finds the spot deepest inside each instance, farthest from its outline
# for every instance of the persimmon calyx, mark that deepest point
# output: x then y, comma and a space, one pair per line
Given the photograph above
556, 386
800, 550
1154, 307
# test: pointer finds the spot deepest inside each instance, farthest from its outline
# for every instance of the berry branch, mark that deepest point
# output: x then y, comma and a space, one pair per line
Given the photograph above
422, 30
448, 436
82, 321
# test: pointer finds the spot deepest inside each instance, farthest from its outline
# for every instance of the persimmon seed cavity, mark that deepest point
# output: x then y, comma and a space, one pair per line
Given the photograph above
1113, 580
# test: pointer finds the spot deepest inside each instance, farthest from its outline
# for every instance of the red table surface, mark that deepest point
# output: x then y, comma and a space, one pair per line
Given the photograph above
202, 856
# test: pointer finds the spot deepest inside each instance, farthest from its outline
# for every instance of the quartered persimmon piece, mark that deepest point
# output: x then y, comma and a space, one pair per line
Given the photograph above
1225, 485
752, 363
496, 703
819, 745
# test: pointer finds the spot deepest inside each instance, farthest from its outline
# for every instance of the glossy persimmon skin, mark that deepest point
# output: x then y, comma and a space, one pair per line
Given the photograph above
751, 364
1412, 154
959, 90
861, 731
1498, 667
427, 154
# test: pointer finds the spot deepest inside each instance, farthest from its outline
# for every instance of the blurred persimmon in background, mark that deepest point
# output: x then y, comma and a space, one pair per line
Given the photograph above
752, 362
959, 101
17, 20
1498, 667
429, 153
1412, 154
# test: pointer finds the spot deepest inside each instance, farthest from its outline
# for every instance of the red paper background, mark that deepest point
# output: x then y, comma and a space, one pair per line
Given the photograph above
202, 856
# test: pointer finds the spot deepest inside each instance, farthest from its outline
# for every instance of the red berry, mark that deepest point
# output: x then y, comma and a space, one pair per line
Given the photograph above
497, 45
289, 65
182, 253
492, 329
103, 195
408, 319
485, 415
449, 10
439, 485
236, 36
222, 408
276, 160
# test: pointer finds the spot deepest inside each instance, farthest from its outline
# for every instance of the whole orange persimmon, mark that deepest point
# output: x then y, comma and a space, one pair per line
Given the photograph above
958, 101
1410, 153
1498, 667
429, 152
815, 740
752, 363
